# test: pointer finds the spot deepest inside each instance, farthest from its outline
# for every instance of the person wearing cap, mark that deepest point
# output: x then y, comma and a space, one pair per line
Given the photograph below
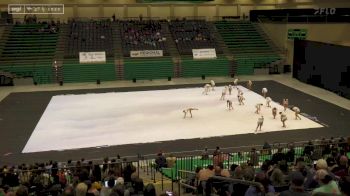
296, 187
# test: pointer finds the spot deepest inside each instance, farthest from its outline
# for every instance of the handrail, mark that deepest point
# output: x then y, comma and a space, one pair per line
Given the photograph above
186, 171
233, 180
192, 152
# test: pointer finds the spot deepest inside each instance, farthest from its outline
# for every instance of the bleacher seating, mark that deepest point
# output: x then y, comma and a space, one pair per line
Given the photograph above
192, 34
207, 67
73, 71
142, 35
148, 68
28, 51
249, 47
89, 36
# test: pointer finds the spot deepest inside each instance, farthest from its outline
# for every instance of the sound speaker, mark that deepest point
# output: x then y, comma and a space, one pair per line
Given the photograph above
98, 81
203, 77
134, 80
61, 83
169, 78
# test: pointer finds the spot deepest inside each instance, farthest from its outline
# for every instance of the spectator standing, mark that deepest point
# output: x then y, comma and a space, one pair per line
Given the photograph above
160, 161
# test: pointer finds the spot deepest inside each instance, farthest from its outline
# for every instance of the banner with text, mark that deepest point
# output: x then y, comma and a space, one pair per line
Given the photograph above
146, 53
208, 53
92, 57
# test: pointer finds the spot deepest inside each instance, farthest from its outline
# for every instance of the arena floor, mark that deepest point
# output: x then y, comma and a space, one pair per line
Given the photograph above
20, 112
150, 116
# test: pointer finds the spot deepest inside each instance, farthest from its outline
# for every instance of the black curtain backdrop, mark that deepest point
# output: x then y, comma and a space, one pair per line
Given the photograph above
323, 65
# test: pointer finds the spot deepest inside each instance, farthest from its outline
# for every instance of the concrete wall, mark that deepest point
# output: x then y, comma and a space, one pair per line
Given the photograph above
209, 10
329, 33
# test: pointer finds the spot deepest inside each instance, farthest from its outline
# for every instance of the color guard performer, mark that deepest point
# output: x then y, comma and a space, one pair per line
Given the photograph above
296, 112
223, 94
235, 82
188, 110
240, 98
274, 112
260, 123
285, 104
212, 85
229, 105
264, 92
206, 89
258, 108
268, 101
229, 89
249, 84
283, 119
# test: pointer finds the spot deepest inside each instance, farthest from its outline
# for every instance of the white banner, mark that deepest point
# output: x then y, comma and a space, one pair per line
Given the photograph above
146, 53
208, 53
92, 57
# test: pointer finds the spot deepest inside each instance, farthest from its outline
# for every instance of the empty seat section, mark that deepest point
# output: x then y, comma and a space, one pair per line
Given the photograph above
28, 51
249, 47
208, 67
148, 68
73, 71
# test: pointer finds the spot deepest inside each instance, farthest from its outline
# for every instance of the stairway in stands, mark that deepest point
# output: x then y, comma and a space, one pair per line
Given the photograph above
59, 54
118, 53
249, 46
172, 49
227, 52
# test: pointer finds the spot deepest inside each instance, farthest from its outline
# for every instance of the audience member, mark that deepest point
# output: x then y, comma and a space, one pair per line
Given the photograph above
327, 184
296, 187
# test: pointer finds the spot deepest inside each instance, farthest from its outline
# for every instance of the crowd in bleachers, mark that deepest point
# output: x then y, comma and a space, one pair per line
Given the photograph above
192, 34
89, 36
112, 177
142, 35
321, 170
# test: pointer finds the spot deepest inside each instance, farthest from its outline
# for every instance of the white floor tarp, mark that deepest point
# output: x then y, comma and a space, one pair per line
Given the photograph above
105, 119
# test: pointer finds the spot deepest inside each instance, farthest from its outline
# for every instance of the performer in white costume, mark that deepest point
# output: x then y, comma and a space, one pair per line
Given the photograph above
240, 98
229, 105
223, 94
235, 82
285, 104
283, 119
206, 89
188, 110
229, 89
260, 123
264, 92
249, 84
268, 101
258, 108
212, 84
296, 112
